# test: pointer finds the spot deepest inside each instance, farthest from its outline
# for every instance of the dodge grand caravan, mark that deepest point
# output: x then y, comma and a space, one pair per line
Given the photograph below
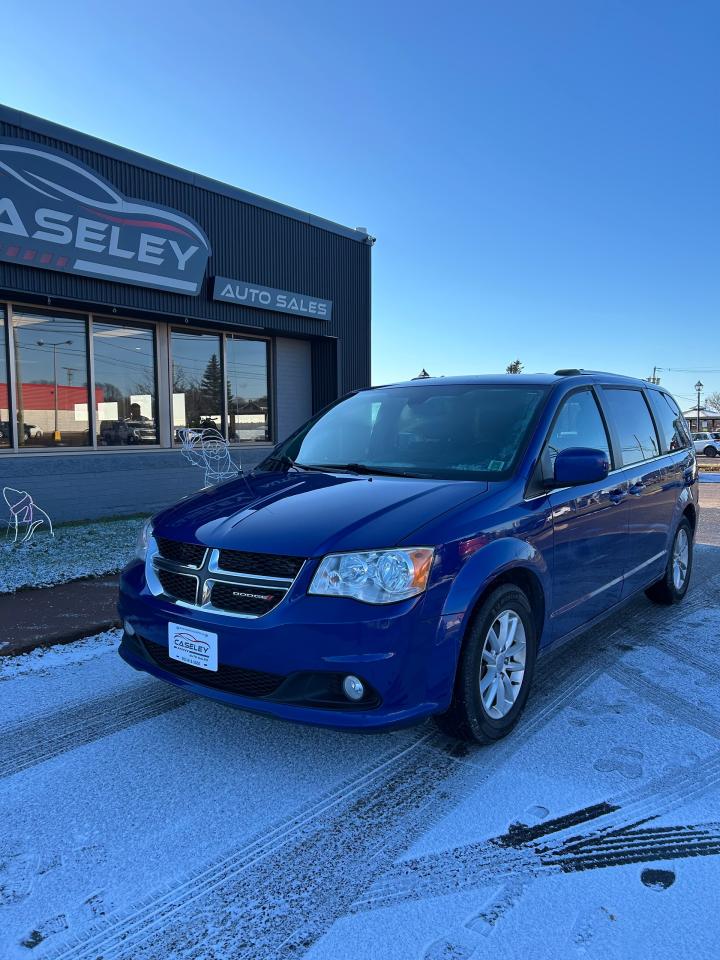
412, 549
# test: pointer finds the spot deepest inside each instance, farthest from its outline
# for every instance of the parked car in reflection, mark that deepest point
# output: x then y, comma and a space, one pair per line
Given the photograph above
31, 431
706, 444
127, 432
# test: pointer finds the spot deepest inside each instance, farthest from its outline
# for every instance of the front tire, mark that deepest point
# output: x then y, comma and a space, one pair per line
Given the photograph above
495, 669
673, 585
710, 452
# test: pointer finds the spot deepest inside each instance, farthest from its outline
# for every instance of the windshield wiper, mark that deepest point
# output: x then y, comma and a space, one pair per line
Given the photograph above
364, 468
289, 463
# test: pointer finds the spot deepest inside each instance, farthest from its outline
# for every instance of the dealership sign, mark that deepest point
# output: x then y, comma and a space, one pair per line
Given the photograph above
56, 214
268, 298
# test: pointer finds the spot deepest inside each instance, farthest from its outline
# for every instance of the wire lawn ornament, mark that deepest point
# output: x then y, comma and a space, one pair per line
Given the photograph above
208, 448
24, 515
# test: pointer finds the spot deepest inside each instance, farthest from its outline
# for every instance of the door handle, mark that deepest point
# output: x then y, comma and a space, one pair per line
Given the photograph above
618, 495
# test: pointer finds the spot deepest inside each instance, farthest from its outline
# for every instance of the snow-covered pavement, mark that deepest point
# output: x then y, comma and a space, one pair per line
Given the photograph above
141, 823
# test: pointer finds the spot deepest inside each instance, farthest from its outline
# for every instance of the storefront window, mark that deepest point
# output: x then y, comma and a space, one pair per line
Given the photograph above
197, 381
125, 388
4, 389
52, 380
247, 389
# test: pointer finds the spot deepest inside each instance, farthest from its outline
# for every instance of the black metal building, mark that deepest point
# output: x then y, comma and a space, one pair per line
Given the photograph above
138, 301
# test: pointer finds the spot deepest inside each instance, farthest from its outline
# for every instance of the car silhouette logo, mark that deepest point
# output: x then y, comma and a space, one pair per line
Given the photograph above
188, 641
57, 214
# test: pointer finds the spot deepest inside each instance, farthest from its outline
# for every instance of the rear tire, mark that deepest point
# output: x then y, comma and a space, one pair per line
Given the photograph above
674, 583
495, 669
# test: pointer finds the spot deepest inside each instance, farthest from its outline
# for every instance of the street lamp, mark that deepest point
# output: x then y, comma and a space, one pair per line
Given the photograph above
698, 386
58, 343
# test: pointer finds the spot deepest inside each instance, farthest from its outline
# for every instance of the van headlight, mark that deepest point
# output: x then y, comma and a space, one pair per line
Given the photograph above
143, 540
375, 576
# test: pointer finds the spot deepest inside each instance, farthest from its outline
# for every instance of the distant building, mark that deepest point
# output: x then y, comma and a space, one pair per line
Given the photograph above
709, 419
138, 299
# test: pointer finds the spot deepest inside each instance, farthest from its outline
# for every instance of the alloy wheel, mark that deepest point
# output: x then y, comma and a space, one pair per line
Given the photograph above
680, 557
502, 665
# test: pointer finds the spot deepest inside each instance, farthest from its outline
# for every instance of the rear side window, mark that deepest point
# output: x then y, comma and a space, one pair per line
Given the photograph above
635, 427
578, 424
673, 433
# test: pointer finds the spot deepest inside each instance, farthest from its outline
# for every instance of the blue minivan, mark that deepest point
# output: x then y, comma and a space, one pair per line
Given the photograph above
411, 549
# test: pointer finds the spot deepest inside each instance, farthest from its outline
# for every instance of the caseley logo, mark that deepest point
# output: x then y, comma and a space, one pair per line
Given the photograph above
191, 643
56, 214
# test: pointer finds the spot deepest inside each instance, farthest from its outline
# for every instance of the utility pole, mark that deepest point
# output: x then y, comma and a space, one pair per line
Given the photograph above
57, 436
654, 378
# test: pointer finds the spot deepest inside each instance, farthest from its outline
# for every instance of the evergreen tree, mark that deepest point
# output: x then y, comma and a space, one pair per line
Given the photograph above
211, 386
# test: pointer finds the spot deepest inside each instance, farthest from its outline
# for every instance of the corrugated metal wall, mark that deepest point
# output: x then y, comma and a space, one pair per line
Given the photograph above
249, 242
293, 370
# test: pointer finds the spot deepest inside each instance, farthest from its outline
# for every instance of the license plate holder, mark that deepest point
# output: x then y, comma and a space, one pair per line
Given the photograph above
197, 648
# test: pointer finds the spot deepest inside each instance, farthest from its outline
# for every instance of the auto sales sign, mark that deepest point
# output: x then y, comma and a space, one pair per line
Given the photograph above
56, 214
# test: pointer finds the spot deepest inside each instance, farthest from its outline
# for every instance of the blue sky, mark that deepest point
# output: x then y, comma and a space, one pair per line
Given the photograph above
542, 178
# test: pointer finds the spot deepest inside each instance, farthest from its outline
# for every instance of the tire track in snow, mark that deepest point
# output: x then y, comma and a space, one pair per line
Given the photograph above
675, 789
317, 863
609, 834
123, 932
59, 731
687, 711
645, 845
383, 818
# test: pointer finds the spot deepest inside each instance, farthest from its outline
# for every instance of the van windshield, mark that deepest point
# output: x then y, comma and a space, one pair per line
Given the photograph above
443, 431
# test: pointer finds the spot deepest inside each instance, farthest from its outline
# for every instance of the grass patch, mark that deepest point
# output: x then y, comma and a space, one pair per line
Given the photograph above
88, 549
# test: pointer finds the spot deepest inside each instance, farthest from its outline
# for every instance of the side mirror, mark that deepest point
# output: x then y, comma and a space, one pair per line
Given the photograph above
578, 465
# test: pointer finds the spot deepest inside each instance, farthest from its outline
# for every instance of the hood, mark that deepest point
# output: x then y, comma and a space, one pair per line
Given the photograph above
311, 514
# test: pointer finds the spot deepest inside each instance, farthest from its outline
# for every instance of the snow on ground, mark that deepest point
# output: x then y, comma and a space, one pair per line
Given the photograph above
77, 550
55, 676
144, 824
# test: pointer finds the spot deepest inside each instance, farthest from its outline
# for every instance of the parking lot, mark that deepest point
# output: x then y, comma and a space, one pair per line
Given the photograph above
142, 823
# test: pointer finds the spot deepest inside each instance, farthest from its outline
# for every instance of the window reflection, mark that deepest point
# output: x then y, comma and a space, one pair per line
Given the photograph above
197, 381
247, 389
4, 391
125, 389
636, 430
52, 382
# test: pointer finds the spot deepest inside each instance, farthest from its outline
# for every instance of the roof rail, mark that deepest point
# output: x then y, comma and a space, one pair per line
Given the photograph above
576, 371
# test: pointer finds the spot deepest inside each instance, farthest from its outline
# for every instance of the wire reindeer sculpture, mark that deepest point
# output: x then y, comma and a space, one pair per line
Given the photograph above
208, 448
24, 515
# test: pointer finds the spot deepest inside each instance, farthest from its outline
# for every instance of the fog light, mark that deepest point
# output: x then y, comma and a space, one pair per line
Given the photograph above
129, 628
353, 688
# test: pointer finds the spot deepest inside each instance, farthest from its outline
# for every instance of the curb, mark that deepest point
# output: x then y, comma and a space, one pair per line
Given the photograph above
11, 649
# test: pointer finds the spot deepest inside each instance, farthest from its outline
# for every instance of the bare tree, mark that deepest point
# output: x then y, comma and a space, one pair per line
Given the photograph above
712, 401
514, 367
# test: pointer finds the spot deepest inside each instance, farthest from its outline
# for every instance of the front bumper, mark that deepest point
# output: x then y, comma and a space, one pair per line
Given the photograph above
407, 660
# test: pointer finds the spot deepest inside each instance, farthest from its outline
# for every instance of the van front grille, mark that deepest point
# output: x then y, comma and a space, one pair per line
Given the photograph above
189, 554
238, 598
179, 586
260, 564
232, 582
